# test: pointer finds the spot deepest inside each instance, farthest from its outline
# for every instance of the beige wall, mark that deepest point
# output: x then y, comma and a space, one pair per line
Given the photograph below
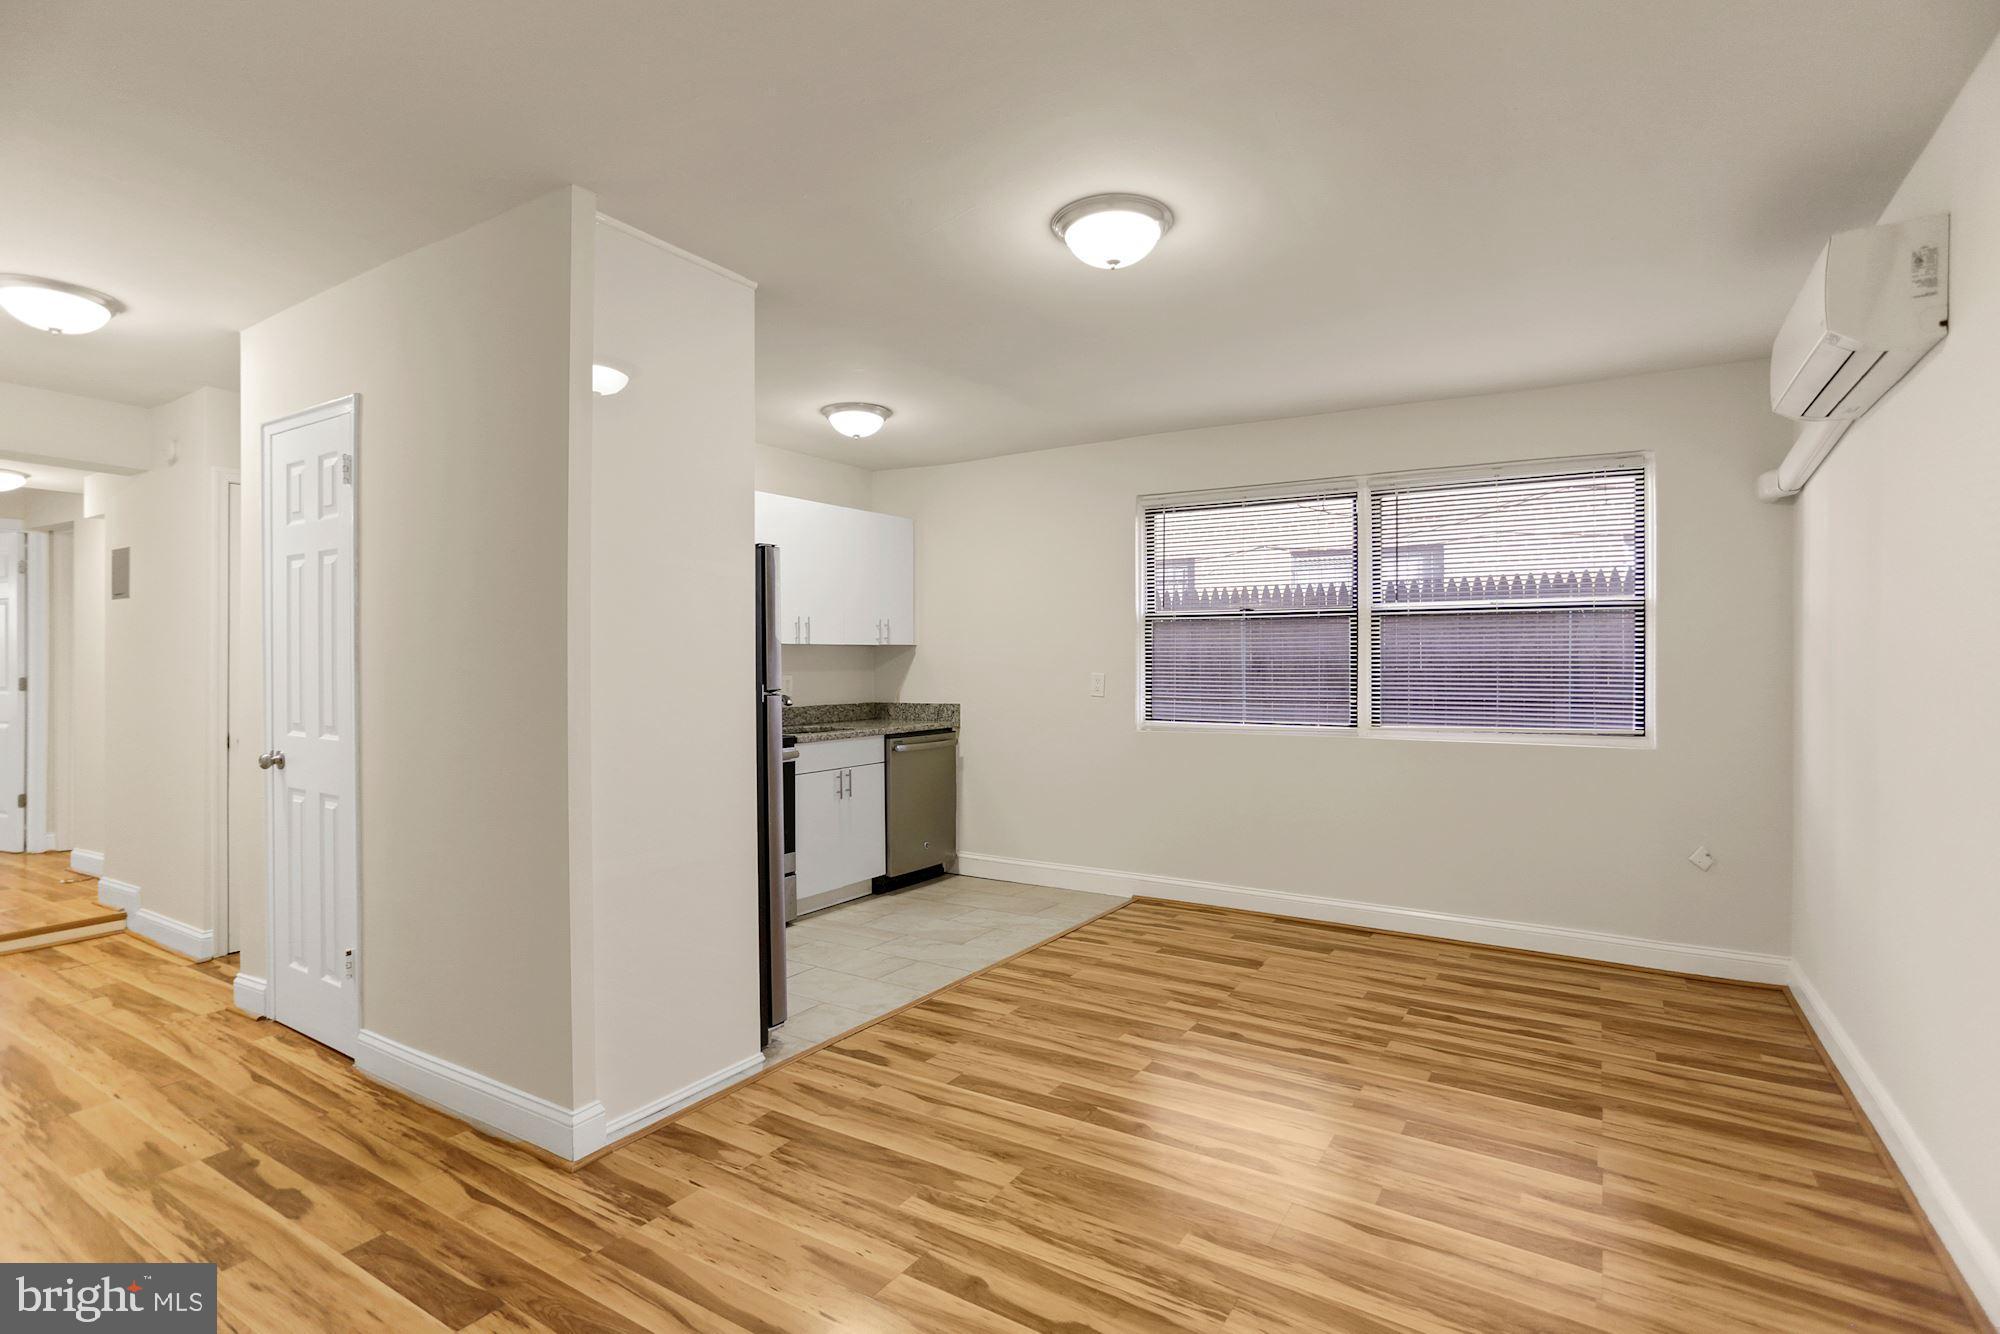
59, 764
85, 766
72, 431
1025, 586
671, 760
829, 673
462, 353
786, 472
41, 509
1897, 911
161, 738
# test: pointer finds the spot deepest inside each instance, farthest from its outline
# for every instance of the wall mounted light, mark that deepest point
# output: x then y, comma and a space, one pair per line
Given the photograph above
11, 480
856, 421
607, 380
53, 307
1112, 231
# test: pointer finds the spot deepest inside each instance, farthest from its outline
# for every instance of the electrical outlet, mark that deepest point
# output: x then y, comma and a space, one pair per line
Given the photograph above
785, 683
1097, 685
1702, 858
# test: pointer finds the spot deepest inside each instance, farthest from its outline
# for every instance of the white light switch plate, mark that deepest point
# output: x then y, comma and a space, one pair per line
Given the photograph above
1097, 685
785, 683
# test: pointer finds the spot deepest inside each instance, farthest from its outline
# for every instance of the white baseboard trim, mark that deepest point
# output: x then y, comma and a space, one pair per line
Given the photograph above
117, 894
252, 995
479, 1099
659, 1109
1673, 956
175, 935
85, 862
157, 927
1977, 1256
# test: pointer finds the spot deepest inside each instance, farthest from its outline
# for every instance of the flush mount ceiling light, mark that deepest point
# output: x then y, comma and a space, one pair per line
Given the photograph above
607, 380
53, 307
11, 480
1112, 231
856, 421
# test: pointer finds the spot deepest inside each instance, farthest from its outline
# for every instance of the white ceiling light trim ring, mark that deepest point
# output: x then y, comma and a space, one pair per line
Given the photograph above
1113, 231
55, 307
856, 421
10, 480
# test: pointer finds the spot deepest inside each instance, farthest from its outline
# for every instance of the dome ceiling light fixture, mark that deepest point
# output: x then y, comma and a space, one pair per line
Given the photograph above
607, 380
856, 421
11, 480
53, 307
1112, 231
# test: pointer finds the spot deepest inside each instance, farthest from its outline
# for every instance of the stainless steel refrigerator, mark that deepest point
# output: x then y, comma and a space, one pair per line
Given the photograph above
776, 761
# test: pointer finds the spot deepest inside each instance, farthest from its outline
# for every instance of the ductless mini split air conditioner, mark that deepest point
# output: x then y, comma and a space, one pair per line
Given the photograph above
1875, 303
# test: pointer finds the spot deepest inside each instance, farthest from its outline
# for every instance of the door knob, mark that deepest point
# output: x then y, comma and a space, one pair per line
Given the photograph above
271, 759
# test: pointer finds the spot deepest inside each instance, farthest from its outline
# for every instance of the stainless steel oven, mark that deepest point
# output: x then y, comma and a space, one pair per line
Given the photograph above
790, 878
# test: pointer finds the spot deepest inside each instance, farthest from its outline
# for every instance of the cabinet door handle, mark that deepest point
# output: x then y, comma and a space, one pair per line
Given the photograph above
795, 631
809, 629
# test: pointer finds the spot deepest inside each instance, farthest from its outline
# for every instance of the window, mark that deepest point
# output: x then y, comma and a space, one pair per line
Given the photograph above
1250, 611
1527, 611
1513, 603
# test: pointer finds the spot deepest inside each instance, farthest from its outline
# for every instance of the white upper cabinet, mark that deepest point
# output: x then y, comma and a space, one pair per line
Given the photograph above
845, 576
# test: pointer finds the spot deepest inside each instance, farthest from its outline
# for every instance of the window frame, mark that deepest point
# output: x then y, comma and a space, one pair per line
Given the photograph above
1364, 486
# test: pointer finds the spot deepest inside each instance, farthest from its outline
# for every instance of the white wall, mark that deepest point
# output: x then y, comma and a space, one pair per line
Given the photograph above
829, 673
786, 472
59, 792
672, 708
1025, 586
85, 765
463, 354
41, 509
160, 734
1897, 910
72, 431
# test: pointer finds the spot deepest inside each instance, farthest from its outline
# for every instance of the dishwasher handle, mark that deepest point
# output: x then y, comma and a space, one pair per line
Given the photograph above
902, 747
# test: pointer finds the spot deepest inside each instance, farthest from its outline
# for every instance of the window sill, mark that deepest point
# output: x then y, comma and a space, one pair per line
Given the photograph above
1480, 738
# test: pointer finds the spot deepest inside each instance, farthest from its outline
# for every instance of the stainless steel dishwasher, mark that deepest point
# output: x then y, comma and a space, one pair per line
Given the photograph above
922, 802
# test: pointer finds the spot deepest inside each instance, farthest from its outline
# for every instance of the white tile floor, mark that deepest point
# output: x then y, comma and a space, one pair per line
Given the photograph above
862, 959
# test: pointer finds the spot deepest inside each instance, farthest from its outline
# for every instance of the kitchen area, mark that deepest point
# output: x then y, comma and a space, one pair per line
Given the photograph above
861, 910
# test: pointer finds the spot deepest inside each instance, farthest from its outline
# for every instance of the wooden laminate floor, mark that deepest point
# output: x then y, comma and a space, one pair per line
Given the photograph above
40, 894
1171, 1119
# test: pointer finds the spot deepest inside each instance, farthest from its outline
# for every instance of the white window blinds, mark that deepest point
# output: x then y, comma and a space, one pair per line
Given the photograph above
1249, 610
1515, 604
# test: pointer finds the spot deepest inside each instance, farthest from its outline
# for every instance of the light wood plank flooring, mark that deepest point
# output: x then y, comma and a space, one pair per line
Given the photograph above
1170, 1119
40, 895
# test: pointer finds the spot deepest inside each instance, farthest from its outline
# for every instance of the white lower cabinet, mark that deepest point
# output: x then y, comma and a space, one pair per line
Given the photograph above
840, 795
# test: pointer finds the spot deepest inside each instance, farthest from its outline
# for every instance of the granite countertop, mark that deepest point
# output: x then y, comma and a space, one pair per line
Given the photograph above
807, 723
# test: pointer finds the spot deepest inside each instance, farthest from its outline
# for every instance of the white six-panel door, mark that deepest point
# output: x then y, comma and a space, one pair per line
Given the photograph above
309, 668
13, 703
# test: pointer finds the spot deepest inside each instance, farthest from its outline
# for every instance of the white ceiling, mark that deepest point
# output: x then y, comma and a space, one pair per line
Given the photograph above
1378, 201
